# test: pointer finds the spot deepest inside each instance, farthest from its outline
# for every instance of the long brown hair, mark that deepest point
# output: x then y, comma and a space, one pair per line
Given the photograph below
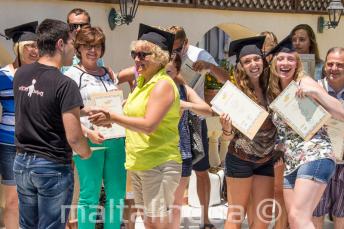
313, 48
274, 86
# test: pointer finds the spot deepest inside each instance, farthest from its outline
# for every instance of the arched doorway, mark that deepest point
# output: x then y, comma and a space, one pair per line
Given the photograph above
216, 41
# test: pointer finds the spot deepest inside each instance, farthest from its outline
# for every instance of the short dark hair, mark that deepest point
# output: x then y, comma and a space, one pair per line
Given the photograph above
178, 31
49, 32
78, 11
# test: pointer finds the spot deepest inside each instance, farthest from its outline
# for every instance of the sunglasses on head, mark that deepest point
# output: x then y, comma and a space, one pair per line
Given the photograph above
73, 26
140, 55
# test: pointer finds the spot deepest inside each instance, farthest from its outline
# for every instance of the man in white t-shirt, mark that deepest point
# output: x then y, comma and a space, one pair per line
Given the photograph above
332, 201
200, 60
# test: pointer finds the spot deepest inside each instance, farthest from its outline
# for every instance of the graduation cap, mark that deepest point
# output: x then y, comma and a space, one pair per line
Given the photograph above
156, 36
286, 45
24, 32
246, 46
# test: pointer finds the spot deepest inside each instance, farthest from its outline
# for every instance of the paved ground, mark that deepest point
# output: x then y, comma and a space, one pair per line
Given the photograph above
191, 218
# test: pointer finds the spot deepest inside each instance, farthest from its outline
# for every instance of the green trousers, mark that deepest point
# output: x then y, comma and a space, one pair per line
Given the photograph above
105, 165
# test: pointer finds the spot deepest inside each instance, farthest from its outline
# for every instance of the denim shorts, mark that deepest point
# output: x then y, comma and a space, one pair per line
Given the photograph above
319, 170
237, 168
7, 155
187, 167
203, 164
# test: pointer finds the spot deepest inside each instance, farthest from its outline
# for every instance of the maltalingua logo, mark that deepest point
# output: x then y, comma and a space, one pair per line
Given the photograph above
31, 89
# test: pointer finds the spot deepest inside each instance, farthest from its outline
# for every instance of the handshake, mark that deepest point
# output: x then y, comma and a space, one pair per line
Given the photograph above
98, 116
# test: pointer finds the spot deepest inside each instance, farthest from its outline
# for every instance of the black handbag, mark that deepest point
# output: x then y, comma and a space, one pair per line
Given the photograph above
197, 149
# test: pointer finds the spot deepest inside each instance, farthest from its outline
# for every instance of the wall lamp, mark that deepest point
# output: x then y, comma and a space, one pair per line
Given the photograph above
128, 10
335, 10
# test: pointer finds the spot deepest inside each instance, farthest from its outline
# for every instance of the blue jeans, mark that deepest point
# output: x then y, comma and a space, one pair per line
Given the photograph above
45, 191
7, 154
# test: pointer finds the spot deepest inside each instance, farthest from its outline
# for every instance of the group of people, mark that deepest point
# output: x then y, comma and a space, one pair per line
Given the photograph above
49, 126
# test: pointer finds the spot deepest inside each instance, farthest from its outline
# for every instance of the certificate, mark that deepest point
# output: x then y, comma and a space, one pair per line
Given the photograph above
112, 101
308, 62
191, 77
335, 130
303, 115
246, 115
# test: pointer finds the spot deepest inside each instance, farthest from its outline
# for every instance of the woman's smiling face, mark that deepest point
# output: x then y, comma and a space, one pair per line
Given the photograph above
286, 64
252, 65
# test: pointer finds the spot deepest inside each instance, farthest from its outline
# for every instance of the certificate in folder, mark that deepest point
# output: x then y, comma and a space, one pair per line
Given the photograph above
335, 130
304, 115
112, 101
308, 62
246, 115
189, 75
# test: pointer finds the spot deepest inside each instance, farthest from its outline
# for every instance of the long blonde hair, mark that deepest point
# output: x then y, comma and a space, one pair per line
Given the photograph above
20, 46
274, 87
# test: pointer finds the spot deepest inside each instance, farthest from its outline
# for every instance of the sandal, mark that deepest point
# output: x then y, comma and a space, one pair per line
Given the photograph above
207, 226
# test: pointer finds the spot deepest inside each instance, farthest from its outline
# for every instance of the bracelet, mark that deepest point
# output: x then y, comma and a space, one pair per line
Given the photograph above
227, 133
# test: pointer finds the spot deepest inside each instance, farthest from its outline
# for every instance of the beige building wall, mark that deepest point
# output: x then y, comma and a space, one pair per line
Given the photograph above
195, 21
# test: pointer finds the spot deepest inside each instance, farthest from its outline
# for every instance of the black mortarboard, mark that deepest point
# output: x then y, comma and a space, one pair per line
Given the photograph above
24, 32
286, 45
246, 46
156, 36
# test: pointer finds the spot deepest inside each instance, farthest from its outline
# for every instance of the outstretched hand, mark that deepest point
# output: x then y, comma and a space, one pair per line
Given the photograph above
201, 65
100, 117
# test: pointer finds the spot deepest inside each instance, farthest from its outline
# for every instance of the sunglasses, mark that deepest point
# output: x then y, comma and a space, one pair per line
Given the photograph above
178, 50
73, 27
140, 55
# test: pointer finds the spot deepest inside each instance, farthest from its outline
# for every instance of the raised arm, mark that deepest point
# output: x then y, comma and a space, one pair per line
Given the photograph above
195, 103
311, 88
220, 74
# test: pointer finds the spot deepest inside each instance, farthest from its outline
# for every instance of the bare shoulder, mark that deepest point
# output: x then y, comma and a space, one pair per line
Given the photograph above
162, 87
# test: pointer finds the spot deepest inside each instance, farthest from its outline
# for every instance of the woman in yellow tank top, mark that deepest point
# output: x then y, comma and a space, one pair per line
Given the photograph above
152, 113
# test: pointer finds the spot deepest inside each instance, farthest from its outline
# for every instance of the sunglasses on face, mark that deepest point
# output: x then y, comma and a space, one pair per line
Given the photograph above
31, 46
73, 26
140, 55
178, 50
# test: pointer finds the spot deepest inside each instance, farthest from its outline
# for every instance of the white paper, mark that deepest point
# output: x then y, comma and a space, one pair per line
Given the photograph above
308, 62
113, 102
303, 115
191, 77
246, 115
335, 130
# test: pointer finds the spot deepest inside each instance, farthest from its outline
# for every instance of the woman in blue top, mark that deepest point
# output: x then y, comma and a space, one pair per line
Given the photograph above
190, 101
25, 49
